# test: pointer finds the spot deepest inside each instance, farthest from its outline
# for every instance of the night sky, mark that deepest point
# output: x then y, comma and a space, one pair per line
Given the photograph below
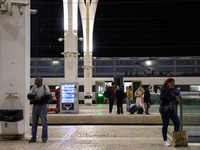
123, 28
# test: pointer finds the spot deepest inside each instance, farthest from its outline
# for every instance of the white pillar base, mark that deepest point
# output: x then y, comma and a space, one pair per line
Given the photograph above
88, 101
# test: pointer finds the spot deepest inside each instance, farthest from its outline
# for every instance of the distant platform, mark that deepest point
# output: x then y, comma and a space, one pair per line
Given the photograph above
97, 114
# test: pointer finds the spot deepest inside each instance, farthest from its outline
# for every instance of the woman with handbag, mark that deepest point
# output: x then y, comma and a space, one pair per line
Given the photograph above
167, 111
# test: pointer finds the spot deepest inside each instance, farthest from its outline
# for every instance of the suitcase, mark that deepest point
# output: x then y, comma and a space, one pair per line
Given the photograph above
133, 109
140, 110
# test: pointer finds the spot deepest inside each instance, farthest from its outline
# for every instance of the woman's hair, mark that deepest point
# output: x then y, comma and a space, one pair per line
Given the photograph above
167, 81
147, 89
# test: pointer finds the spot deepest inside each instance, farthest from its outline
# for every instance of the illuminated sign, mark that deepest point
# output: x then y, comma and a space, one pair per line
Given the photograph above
67, 93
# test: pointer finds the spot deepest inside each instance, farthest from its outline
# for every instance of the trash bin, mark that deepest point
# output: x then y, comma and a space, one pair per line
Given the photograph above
11, 121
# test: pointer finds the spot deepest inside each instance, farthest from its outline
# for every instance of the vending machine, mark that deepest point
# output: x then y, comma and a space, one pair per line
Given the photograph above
69, 94
99, 91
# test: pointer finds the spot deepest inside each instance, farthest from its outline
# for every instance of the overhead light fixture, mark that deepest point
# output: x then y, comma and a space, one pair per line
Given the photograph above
60, 39
149, 62
33, 11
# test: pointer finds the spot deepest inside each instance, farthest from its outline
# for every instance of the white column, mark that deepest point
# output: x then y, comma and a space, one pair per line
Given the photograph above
70, 40
15, 62
88, 12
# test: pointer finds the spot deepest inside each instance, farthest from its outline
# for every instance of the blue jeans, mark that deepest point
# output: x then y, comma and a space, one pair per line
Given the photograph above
39, 111
128, 104
165, 119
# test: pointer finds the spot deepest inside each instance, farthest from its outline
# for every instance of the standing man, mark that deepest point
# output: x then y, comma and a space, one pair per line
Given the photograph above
128, 97
112, 97
39, 94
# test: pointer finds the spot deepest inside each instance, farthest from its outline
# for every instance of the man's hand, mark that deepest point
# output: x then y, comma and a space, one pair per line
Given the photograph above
38, 98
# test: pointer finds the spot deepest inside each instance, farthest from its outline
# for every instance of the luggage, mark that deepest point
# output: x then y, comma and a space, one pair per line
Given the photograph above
140, 110
133, 109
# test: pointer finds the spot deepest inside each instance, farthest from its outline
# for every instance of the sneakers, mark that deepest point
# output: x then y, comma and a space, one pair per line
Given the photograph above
31, 141
111, 113
167, 144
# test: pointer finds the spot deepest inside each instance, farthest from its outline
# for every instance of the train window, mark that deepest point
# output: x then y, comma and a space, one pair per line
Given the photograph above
195, 88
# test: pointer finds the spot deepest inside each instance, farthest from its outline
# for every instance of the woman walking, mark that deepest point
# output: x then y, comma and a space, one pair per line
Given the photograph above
167, 111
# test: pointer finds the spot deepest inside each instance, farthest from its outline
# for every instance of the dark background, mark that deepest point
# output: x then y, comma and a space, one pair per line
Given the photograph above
123, 28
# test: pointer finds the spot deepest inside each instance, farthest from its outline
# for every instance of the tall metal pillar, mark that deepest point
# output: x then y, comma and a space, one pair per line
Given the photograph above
70, 40
88, 11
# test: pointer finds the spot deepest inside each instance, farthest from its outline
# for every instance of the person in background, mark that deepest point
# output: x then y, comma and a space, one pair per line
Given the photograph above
147, 100
39, 94
112, 97
167, 97
178, 93
120, 96
128, 97
138, 94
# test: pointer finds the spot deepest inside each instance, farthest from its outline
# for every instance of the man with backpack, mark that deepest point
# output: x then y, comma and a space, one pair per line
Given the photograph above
40, 94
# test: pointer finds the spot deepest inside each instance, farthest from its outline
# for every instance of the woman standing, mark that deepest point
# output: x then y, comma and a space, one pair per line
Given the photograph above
147, 100
167, 111
138, 94
120, 96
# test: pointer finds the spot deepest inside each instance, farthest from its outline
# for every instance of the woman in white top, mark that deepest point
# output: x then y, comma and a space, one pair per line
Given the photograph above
138, 94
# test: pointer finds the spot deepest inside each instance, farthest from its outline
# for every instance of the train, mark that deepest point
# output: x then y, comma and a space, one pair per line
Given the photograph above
187, 84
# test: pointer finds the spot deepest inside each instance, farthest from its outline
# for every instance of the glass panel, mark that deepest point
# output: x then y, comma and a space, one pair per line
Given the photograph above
104, 62
104, 70
46, 70
124, 69
125, 63
185, 62
185, 69
45, 63
164, 62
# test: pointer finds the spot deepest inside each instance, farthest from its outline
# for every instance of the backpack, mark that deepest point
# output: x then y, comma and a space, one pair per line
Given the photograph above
140, 110
49, 100
107, 93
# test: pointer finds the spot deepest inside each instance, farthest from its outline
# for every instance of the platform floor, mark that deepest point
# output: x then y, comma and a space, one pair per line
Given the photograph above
97, 137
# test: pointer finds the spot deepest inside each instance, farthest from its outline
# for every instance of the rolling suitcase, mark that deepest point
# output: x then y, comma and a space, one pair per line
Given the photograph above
133, 109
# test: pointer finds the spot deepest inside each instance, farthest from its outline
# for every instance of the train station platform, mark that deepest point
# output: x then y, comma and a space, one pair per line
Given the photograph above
98, 114
96, 137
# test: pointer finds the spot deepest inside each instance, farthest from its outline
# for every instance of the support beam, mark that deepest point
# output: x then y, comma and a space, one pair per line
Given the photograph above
70, 40
88, 12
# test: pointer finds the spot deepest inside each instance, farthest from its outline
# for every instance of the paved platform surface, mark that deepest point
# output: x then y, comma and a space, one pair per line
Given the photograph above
96, 138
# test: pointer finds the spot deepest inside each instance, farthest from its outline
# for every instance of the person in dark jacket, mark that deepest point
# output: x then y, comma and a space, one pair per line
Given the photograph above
167, 97
112, 97
39, 94
147, 100
120, 96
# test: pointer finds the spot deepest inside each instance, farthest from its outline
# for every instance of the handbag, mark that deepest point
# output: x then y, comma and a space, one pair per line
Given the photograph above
163, 109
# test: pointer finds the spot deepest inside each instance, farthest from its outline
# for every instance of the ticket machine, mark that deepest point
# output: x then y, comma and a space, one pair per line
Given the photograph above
69, 94
99, 91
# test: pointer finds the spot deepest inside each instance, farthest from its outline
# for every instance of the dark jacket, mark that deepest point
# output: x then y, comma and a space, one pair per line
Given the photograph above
43, 100
147, 97
119, 95
111, 91
167, 96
